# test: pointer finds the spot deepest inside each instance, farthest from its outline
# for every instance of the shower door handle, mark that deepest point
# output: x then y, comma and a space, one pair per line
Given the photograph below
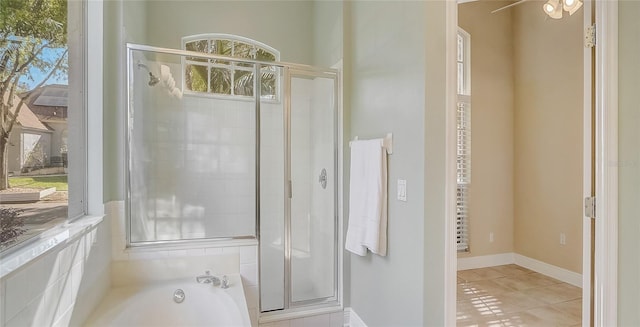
322, 179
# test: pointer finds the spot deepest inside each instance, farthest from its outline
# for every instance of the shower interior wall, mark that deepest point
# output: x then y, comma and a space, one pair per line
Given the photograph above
194, 163
193, 174
312, 213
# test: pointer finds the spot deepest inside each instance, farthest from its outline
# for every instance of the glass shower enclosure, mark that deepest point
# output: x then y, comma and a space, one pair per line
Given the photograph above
299, 243
262, 165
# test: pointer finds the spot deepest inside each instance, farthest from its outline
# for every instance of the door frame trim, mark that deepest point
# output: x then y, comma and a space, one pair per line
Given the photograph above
606, 95
450, 247
588, 165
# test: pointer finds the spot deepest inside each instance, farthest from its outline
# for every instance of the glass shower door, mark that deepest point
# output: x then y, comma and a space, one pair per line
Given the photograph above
272, 202
312, 166
298, 194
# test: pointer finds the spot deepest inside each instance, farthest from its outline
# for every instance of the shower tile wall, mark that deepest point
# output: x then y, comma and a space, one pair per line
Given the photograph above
312, 144
272, 204
199, 173
303, 182
301, 148
194, 166
322, 206
202, 172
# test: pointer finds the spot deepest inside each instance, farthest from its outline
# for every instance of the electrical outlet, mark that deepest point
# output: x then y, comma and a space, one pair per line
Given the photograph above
491, 237
563, 239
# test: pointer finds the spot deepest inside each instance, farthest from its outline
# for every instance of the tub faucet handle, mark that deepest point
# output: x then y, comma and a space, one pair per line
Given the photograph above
225, 282
207, 278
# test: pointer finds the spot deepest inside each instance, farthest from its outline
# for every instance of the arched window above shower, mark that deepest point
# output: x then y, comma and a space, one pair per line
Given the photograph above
225, 78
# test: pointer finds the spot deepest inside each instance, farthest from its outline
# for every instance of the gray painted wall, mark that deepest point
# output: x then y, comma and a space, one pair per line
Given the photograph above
124, 21
113, 105
284, 25
434, 166
386, 84
346, 122
327, 32
629, 161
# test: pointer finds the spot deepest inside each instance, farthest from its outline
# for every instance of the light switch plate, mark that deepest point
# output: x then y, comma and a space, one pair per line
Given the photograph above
402, 190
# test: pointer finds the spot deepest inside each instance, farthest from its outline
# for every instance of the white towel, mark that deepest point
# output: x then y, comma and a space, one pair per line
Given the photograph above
368, 198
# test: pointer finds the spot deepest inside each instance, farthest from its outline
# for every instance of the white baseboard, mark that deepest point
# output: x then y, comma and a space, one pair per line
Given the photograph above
485, 261
556, 272
352, 319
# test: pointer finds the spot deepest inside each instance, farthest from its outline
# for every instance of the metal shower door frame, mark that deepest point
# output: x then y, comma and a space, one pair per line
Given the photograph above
289, 74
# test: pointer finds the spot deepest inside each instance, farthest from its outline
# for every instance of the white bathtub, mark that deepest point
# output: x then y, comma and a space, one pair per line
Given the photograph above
153, 305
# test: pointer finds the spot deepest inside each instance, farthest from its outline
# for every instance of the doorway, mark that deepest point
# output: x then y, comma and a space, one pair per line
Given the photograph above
601, 112
524, 199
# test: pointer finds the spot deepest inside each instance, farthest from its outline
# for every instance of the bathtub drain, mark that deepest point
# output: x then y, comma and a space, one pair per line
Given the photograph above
178, 296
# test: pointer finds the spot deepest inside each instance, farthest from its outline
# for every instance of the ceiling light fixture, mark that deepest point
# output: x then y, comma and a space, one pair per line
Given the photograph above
554, 9
571, 5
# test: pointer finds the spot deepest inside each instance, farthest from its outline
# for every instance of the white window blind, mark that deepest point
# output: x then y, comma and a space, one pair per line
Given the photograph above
460, 64
463, 175
463, 145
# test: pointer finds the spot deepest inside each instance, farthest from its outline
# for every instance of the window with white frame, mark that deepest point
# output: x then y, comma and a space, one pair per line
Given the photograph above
463, 140
227, 77
43, 93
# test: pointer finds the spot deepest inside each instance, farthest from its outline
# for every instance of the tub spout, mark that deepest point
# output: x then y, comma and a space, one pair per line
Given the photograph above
207, 278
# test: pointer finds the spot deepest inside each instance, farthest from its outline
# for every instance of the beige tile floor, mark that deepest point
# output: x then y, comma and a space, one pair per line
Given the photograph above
511, 295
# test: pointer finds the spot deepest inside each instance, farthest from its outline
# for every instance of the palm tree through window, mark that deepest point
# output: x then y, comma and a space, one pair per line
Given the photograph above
220, 77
